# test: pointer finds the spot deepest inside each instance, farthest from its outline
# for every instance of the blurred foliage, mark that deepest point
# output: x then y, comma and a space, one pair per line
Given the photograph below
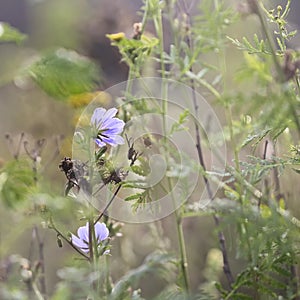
252, 207
10, 34
64, 73
16, 181
156, 264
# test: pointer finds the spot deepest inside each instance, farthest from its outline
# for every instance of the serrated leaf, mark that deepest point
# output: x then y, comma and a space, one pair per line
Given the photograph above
10, 34
64, 73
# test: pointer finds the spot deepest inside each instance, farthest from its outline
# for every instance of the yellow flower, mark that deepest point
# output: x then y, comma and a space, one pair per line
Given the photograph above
116, 37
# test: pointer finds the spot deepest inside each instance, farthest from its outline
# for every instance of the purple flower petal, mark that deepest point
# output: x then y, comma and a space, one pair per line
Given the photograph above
114, 140
83, 232
108, 126
99, 143
78, 242
97, 116
101, 231
119, 140
110, 114
81, 242
112, 123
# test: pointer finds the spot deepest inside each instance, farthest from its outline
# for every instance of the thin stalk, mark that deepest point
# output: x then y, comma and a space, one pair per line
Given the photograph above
91, 241
59, 233
42, 261
107, 276
145, 16
221, 237
239, 187
223, 67
17, 153
38, 294
159, 31
181, 242
183, 257
266, 184
108, 204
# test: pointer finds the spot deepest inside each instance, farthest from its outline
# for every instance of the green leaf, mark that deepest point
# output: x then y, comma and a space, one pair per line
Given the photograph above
133, 50
10, 34
178, 126
256, 137
139, 170
16, 180
134, 197
64, 73
244, 45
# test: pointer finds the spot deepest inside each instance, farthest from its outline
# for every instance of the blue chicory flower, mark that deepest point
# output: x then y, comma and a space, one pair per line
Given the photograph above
82, 241
108, 127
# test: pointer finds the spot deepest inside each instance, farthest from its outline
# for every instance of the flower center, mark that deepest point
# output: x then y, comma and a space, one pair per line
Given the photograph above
101, 134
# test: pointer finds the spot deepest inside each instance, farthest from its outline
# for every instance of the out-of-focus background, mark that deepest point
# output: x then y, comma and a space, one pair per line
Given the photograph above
82, 26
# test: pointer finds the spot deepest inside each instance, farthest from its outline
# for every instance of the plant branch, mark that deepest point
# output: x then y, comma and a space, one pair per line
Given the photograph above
108, 204
52, 226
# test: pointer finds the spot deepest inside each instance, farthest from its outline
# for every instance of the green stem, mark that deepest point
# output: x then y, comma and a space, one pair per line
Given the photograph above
239, 187
91, 241
107, 276
182, 248
183, 257
145, 16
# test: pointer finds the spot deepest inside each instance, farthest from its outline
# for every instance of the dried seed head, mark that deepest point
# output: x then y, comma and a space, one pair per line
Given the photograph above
137, 31
66, 164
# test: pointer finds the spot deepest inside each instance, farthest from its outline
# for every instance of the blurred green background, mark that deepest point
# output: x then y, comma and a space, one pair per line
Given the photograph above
24, 107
